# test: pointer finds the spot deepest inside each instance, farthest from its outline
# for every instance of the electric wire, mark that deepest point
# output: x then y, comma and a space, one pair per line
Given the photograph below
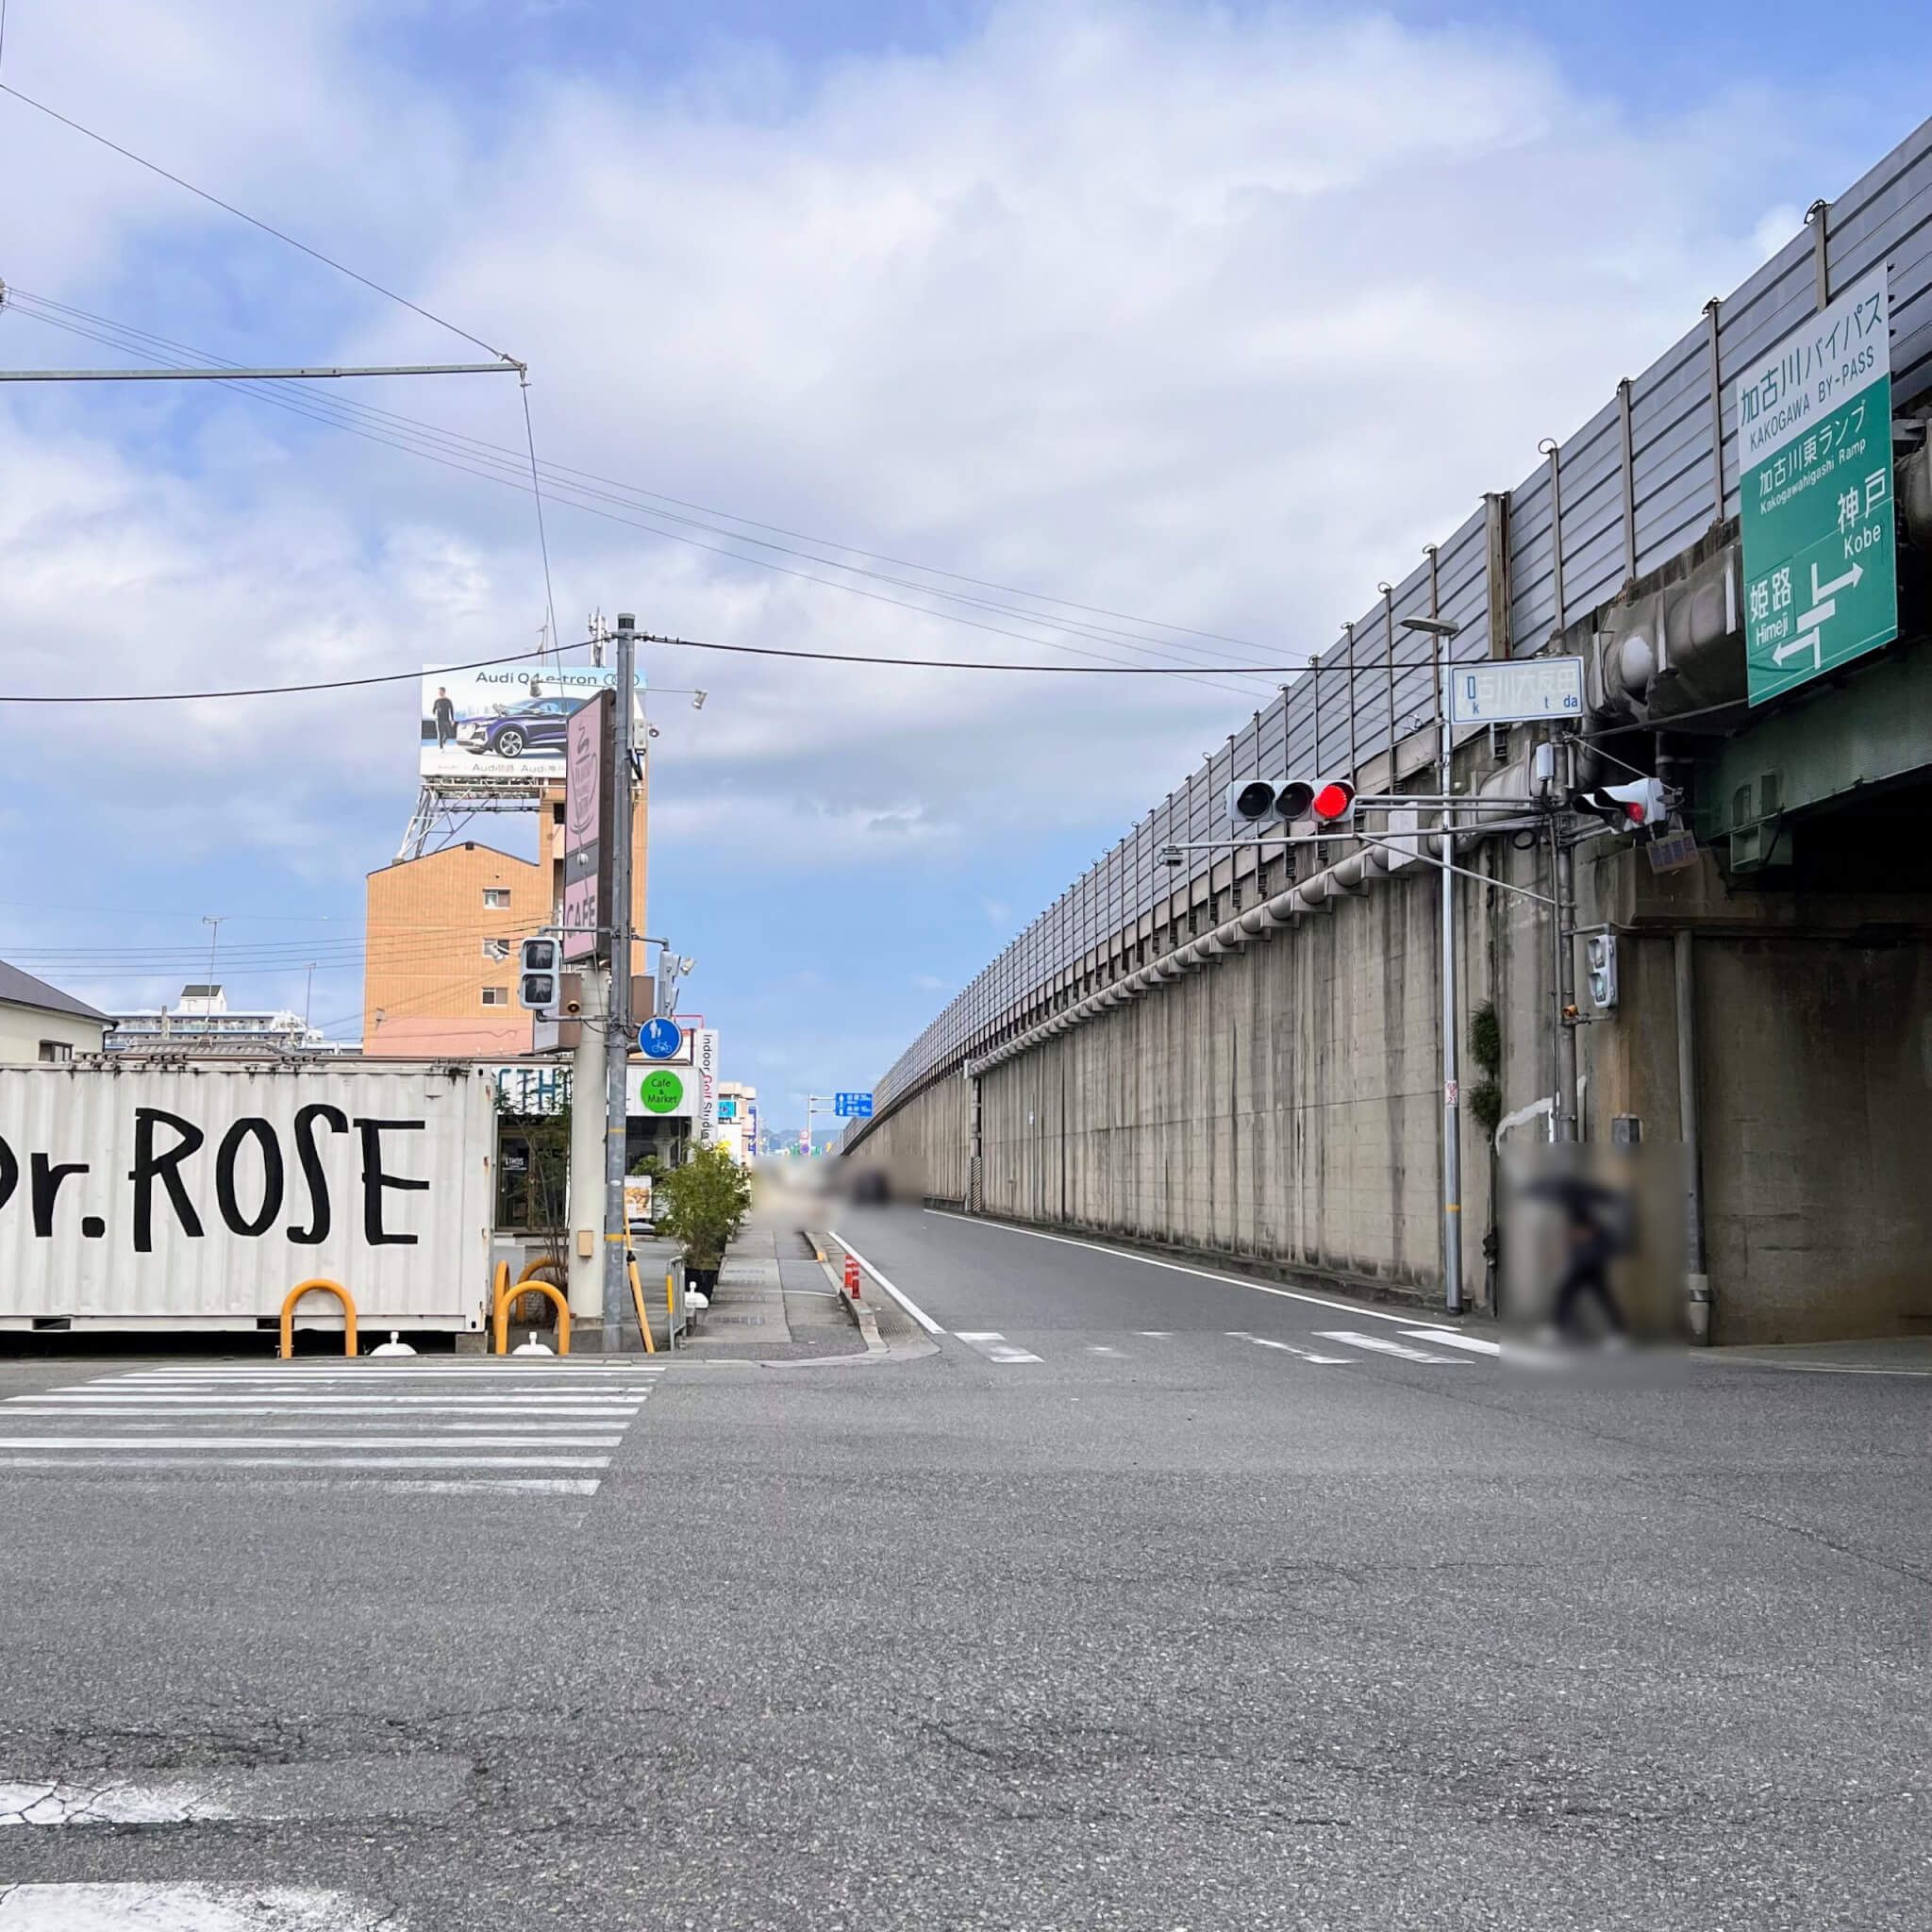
458, 452
487, 450
537, 497
241, 214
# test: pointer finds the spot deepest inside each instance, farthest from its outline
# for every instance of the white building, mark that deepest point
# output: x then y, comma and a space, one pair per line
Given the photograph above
39, 1022
202, 1022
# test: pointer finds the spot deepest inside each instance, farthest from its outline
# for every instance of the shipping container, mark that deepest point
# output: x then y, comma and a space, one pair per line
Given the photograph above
194, 1196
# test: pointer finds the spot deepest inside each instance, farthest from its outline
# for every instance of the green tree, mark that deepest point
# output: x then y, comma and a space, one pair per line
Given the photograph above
702, 1205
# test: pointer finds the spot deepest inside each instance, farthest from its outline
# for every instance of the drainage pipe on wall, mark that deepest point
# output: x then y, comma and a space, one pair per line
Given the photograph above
1696, 1279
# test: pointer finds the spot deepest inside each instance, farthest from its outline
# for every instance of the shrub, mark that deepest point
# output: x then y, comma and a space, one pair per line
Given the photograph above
702, 1205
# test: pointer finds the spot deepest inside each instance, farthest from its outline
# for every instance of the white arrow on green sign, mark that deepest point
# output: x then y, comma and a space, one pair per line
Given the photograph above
1814, 442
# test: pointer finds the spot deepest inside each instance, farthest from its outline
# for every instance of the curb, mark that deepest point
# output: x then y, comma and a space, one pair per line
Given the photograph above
868, 1322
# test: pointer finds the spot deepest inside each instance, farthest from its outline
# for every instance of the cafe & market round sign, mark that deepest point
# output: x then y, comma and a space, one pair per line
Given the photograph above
663, 1092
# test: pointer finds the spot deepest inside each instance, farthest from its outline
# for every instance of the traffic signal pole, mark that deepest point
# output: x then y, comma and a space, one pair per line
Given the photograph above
1563, 884
617, 1022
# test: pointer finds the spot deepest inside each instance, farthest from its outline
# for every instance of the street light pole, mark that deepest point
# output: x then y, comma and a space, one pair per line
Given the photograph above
1442, 631
617, 1008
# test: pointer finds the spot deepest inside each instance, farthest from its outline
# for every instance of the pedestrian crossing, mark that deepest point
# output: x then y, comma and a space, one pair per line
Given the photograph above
547, 1426
1333, 1347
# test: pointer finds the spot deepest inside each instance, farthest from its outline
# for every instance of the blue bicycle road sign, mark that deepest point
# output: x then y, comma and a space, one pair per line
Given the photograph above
659, 1039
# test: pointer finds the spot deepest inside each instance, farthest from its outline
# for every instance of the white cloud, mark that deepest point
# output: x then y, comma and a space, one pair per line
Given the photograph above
1165, 308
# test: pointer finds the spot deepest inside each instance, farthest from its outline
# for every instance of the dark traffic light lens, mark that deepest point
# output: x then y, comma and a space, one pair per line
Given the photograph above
540, 990
1294, 799
1255, 800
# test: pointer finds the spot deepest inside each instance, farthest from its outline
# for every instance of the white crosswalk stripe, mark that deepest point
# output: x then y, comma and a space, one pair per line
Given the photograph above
1382, 1344
1307, 1355
994, 1346
493, 1424
1450, 1338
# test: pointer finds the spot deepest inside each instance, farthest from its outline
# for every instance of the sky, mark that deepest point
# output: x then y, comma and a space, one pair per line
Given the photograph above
1204, 317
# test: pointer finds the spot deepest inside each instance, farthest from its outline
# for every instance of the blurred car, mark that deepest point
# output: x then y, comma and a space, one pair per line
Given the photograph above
536, 724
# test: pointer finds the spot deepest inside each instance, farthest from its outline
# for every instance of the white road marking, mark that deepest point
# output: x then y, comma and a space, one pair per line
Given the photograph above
137, 1462
542, 1438
1291, 1294
1451, 1338
288, 1423
149, 1907
995, 1346
1101, 1348
434, 1486
310, 1405
1383, 1345
1288, 1348
1155, 1334
497, 1369
905, 1301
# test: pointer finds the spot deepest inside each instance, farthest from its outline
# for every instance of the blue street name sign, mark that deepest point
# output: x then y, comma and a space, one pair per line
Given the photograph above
659, 1039
856, 1106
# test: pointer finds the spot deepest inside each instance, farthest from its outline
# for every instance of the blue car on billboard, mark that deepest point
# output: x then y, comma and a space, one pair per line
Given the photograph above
538, 725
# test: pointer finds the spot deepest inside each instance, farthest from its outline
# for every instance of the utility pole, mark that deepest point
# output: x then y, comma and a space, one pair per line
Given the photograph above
1443, 632
617, 1036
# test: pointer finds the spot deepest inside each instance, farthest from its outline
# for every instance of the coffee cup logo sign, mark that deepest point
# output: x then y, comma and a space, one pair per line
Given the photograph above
663, 1092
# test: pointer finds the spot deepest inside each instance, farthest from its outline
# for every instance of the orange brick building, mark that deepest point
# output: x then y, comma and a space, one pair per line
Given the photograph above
439, 964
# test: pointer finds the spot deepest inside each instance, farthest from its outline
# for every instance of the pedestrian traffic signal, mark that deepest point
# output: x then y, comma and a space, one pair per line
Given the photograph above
1256, 801
540, 977
1643, 806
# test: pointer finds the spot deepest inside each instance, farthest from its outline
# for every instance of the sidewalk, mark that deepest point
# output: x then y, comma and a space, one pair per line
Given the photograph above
1900, 1354
773, 1304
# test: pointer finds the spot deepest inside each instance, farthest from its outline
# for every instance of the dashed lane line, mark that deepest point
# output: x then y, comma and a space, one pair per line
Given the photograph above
994, 1346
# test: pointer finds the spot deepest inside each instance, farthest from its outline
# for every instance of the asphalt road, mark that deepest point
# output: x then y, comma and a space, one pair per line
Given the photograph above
1138, 1599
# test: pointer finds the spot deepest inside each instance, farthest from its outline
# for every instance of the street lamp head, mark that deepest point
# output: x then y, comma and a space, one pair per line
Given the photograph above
686, 965
1433, 627
1170, 854
625, 621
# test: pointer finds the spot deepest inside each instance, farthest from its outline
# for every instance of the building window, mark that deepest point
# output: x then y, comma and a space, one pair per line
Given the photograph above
496, 995
54, 1052
496, 898
496, 949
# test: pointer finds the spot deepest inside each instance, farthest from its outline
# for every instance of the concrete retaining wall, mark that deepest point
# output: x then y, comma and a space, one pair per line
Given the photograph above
1283, 1105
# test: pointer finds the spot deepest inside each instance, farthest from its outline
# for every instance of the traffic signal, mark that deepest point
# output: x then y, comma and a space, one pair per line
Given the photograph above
1256, 801
1641, 806
1600, 957
540, 977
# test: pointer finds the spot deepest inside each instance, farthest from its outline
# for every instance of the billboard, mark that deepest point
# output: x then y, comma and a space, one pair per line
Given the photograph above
590, 754
505, 721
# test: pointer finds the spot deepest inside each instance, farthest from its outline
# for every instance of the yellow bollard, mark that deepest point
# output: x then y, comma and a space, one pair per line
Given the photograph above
637, 1299
506, 1293
295, 1294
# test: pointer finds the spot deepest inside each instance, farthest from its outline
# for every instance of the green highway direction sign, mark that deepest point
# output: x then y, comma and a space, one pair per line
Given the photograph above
1814, 460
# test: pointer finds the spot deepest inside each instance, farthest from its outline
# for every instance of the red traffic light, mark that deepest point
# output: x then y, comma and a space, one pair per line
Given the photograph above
1334, 798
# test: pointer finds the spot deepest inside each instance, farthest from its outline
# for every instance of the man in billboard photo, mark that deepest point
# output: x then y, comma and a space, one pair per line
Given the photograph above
444, 715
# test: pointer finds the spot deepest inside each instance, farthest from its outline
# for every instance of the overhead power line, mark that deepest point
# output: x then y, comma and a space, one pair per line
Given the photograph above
500, 464
265, 691
241, 214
